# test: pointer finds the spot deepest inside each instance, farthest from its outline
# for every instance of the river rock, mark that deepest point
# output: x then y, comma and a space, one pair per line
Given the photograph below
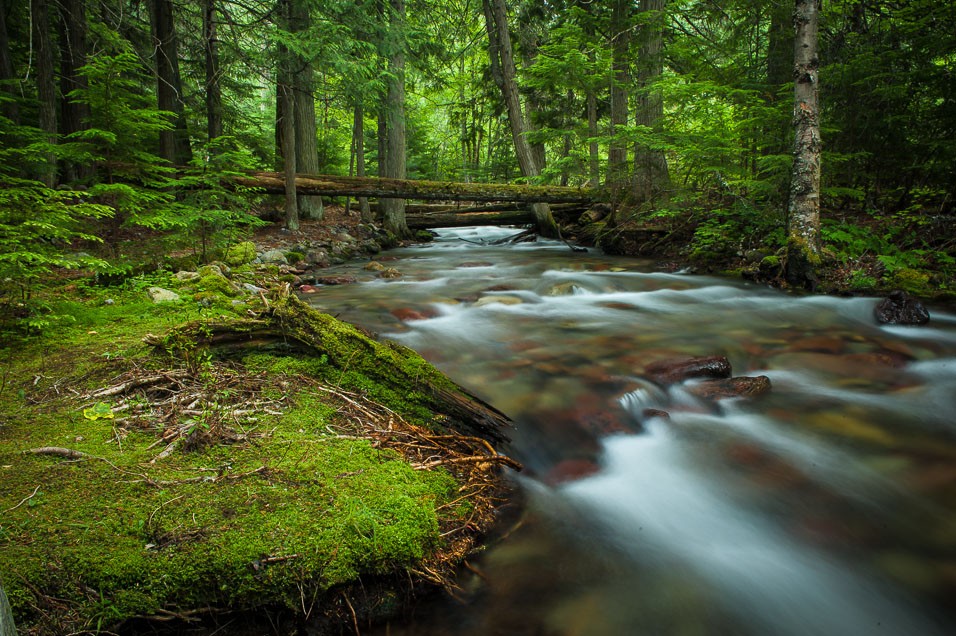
570, 470
739, 387
900, 309
340, 279
497, 300
274, 256
677, 370
317, 256
374, 266
160, 295
389, 272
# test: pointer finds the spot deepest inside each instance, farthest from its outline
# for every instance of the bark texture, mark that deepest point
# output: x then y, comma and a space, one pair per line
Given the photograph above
617, 172
393, 210
173, 143
213, 88
11, 108
46, 86
803, 211
74, 115
650, 165
504, 72
306, 134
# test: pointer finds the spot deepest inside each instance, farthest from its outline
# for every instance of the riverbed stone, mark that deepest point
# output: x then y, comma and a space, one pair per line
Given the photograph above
677, 370
497, 300
899, 308
337, 279
739, 387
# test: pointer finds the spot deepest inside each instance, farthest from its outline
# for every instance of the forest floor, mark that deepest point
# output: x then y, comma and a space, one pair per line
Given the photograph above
150, 483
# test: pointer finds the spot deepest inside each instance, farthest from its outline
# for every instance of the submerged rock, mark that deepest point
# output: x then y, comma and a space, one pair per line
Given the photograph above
899, 308
740, 387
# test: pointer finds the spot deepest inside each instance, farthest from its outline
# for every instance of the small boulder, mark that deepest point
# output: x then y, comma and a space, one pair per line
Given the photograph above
343, 279
899, 308
274, 256
160, 295
186, 276
674, 371
740, 387
390, 272
374, 266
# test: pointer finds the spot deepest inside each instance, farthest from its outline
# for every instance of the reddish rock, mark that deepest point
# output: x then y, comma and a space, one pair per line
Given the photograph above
823, 344
650, 414
570, 470
307, 289
476, 264
407, 313
881, 358
678, 370
743, 386
341, 279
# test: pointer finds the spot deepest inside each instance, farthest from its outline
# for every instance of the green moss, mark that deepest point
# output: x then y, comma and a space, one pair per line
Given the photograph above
217, 284
294, 257
912, 281
240, 254
118, 537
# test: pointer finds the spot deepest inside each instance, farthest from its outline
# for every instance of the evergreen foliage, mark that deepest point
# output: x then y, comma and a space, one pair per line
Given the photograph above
888, 115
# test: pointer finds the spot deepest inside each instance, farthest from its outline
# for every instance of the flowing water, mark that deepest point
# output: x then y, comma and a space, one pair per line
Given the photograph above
826, 507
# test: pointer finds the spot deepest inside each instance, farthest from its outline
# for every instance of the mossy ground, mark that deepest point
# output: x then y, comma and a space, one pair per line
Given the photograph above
274, 489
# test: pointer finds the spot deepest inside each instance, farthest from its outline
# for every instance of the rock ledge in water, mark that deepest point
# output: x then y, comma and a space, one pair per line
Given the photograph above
900, 309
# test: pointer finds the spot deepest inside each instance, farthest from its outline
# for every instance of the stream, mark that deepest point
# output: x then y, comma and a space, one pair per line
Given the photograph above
824, 507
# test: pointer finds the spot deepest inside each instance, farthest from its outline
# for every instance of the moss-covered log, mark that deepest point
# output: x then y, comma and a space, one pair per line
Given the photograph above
329, 185
349, 350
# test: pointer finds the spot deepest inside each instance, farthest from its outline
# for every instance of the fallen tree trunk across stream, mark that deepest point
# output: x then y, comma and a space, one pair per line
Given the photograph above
329, 185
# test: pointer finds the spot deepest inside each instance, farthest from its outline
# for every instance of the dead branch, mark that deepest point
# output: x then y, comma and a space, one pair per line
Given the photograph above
66, 453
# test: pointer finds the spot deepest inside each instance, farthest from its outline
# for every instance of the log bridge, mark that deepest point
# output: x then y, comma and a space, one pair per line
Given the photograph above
565, 200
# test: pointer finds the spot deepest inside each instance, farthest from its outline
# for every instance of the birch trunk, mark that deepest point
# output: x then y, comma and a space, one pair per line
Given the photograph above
803, 211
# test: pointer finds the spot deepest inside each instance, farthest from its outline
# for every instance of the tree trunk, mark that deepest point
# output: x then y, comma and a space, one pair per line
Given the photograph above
213, 89
11, 107
287, 94
358, 134
306, 134
46, 87
75, 115
594, 167
173, 143
617, 172
650, 165
803, 212
503, 70
776, 136
394, 209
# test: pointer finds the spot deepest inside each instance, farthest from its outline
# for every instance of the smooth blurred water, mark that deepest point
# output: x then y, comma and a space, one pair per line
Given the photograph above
825, 507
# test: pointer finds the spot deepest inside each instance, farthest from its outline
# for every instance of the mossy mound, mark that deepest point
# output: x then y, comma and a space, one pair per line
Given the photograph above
222, 472
241, 253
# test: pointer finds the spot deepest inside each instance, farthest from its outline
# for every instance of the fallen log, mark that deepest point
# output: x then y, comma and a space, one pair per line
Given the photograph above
331, 185
465, 219
290, 321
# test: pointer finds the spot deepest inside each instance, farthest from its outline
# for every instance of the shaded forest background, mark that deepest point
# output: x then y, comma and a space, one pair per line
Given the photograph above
119, 117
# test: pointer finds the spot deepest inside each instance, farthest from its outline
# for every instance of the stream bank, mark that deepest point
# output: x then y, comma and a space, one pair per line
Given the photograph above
150, 482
